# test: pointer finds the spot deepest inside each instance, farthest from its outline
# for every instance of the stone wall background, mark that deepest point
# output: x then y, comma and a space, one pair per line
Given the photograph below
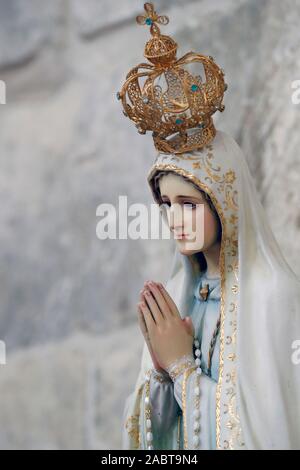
68, 299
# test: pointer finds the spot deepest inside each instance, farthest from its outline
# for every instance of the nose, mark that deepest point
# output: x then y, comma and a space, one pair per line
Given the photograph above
176, 218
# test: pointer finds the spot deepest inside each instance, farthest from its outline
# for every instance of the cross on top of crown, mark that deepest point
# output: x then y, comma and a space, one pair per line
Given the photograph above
151, 17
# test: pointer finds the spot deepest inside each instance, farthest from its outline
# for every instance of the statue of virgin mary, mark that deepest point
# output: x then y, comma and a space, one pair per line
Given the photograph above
218, 368
246, 320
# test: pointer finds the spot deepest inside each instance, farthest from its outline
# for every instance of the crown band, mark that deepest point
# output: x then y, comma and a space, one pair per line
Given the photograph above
186, 143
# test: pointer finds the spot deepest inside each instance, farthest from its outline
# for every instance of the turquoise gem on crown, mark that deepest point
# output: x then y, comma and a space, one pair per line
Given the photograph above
149, 21
178, 121
194, 87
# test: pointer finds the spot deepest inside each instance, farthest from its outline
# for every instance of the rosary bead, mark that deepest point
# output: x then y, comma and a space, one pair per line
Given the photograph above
196, 425
196, 441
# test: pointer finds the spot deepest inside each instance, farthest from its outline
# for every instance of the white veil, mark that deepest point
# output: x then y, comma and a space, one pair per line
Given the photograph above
258, 392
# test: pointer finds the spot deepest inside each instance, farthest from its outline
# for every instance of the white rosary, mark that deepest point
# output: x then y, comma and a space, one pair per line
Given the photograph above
174, 370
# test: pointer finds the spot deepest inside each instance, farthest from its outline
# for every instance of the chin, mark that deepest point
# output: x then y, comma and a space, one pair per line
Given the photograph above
185, 248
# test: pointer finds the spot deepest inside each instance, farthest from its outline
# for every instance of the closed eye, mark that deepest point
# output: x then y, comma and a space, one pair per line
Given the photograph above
188, 204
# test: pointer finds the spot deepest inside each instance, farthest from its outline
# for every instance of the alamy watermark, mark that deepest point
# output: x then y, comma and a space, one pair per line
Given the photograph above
296, 93
2, 92
185, 222
2, 353
296, 354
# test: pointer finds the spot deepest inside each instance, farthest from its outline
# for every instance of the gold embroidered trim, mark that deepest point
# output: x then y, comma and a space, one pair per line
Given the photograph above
178, 367
132, 423
178, 431
216, 203
186, 375
147, 407
132, 427
229, 248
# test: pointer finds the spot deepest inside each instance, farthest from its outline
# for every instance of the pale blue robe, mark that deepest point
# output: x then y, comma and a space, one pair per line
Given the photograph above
166, 396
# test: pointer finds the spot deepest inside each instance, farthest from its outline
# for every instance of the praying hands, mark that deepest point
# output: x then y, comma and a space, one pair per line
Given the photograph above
167, 335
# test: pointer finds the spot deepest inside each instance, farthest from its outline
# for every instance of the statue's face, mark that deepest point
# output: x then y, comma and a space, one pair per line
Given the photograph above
190, 218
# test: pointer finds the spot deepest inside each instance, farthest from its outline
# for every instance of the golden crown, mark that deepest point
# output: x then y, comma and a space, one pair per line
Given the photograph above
179, 116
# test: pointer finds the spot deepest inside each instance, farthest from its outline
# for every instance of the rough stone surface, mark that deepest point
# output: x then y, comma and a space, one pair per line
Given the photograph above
71, 394
68, 299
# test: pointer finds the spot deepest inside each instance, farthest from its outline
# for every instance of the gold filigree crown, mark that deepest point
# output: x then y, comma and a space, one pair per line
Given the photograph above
179, 114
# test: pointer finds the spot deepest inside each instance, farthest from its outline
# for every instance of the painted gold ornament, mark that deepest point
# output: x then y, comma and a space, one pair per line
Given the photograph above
164, 97
204, 292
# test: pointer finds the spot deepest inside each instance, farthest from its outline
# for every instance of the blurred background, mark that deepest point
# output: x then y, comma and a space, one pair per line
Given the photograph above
68, 300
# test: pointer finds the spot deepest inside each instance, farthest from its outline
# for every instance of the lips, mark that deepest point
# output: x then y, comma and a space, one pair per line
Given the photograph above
180, 235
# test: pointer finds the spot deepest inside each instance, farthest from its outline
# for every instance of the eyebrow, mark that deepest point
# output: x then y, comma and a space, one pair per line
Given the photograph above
182, 197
